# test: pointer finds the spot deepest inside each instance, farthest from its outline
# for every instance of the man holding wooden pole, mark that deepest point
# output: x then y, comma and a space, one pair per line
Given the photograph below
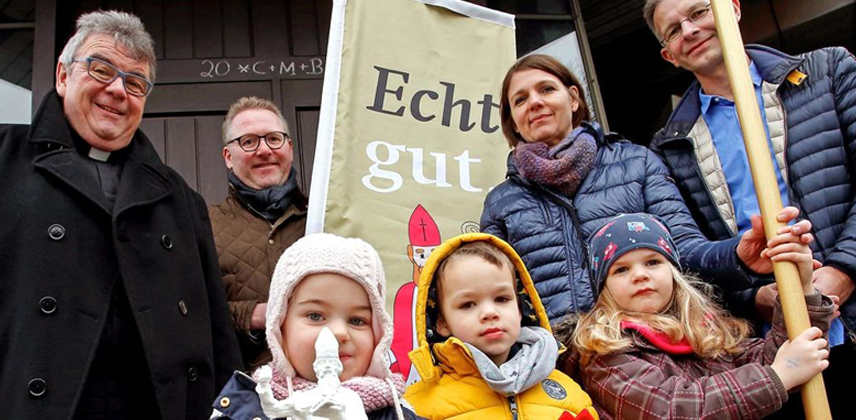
808, 111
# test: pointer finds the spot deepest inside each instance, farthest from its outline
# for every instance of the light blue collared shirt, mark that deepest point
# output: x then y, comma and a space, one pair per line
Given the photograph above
720, 114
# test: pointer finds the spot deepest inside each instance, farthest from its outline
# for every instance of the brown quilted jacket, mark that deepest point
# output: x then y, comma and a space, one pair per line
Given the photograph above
248, 248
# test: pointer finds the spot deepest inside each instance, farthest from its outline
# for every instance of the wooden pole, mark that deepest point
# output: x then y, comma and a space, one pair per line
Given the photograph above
767, 190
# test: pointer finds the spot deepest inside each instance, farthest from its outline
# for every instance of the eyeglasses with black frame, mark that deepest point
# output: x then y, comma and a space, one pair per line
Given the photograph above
695, 17
251, 142
105, 72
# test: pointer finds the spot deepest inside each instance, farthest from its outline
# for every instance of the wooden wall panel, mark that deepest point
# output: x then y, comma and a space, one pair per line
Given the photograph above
151, 13
304, 28
203, 97
207, 29
307, 130
155, 130
193, 147
236, 29
324, 12
210, 165
301, 102
178, 29
270, 31
181, 148
44, 41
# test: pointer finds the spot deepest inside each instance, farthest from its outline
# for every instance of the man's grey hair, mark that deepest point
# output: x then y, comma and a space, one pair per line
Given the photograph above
125, 28
648, 14
247, 103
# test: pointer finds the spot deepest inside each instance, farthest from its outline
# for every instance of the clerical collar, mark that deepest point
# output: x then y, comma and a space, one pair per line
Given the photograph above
85, 149
99, 154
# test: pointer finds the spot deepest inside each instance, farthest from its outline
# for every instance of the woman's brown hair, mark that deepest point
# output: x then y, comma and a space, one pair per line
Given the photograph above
547, 64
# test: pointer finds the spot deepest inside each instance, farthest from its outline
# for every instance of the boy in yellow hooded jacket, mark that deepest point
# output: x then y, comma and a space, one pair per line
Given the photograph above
485, 345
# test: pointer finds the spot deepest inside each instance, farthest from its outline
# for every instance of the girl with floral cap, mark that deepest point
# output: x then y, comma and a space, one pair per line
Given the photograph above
656, 346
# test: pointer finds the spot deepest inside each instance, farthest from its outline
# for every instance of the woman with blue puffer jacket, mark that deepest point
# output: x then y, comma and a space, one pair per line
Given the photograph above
565, 178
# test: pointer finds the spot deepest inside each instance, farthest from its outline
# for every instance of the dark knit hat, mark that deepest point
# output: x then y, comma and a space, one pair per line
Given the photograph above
623, 234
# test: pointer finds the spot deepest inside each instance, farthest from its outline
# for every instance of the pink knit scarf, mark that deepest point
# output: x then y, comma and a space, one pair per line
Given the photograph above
660, 340
375, 392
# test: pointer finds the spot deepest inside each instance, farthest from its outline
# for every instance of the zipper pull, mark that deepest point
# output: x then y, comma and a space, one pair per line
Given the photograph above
513, 406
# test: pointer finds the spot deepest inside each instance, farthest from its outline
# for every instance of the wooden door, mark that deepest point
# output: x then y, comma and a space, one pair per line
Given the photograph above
212, 52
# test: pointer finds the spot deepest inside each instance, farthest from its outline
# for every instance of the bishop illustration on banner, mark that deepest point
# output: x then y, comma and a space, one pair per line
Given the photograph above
424, 236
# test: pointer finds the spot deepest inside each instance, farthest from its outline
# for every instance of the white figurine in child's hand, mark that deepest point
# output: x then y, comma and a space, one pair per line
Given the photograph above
329, 400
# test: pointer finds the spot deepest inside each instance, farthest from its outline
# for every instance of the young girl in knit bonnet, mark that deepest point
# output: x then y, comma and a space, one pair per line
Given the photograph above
656, 346
324, 280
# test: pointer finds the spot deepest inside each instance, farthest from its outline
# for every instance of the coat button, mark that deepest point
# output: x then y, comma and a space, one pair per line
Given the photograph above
37, 387
270, 241
182, 307
166, 241
191, 374
56, 232
48, 305
224, 402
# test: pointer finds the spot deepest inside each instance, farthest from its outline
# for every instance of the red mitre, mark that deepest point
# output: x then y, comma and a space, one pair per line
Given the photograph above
422, 229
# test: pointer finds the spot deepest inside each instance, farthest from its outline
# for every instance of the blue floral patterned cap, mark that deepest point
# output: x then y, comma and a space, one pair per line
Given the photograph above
623, 234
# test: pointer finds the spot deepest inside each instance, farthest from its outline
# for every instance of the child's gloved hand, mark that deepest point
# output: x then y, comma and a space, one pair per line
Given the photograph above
799, 360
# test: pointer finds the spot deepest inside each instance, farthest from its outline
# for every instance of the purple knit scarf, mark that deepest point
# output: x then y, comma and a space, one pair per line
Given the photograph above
561, 168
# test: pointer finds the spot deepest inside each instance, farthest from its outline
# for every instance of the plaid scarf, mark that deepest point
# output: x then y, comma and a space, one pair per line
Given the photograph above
561, 168
376, 393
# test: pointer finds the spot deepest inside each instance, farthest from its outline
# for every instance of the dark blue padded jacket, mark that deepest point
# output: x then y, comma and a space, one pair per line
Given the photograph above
820, 155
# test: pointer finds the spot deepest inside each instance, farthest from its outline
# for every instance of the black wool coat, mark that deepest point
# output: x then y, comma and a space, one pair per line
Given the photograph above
64, 251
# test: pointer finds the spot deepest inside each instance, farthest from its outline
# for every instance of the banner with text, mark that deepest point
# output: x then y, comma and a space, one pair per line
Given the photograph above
409, 139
